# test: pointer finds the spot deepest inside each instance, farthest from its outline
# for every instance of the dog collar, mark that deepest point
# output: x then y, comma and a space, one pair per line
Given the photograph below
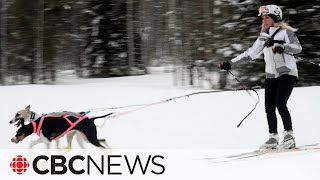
33, 114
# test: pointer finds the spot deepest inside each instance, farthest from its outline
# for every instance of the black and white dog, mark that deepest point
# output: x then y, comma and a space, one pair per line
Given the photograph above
53, 127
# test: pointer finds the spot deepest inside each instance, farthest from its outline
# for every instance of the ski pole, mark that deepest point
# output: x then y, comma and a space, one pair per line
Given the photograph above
303, 60
247, 90
309, 62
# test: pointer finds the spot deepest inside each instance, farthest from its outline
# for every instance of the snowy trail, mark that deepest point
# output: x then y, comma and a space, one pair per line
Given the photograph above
182, 130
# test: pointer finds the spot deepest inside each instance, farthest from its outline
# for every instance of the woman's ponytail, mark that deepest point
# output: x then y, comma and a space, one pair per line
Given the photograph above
284, 25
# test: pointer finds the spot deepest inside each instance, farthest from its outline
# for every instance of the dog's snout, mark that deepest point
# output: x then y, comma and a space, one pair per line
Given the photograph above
14, 140
13, 120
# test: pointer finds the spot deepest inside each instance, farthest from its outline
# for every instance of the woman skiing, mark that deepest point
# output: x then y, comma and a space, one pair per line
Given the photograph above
278, 43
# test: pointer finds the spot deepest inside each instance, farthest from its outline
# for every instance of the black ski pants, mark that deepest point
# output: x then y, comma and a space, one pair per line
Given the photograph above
277, 93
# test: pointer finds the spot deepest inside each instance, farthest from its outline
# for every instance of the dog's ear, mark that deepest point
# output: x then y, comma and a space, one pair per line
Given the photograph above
28, 108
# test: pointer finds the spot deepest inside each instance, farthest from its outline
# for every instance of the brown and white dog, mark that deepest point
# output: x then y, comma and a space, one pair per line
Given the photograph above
53, 127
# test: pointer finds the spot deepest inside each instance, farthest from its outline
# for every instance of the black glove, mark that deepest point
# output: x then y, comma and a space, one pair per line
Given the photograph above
277, 49
269, 42
225, 65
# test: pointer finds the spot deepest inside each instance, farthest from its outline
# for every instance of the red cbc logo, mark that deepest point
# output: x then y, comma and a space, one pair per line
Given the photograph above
19, 164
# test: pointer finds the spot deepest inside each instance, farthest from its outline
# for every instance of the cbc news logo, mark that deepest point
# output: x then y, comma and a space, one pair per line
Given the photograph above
110, 165
19, 164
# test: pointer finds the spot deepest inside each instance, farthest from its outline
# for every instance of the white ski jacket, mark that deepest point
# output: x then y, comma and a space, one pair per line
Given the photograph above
276, 64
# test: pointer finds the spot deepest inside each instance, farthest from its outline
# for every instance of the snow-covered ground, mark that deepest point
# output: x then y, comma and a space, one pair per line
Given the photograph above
184, 131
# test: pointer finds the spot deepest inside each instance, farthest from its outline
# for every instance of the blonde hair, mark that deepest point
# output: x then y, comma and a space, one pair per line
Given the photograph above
282, 25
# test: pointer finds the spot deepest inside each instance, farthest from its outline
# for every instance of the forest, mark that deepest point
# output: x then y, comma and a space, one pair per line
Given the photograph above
113, 38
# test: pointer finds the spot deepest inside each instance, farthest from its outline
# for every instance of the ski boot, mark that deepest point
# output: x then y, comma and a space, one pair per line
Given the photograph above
288, 141
272, 142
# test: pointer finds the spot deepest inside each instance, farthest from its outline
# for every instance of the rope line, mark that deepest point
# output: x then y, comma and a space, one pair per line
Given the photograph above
138, 107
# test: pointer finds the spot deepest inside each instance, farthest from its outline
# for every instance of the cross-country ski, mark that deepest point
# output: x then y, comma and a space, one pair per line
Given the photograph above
268, 153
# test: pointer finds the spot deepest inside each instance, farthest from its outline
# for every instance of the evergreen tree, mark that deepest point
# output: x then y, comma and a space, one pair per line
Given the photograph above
108, 43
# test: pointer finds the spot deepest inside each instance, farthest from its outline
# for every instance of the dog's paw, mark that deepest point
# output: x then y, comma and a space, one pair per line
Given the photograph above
67, 148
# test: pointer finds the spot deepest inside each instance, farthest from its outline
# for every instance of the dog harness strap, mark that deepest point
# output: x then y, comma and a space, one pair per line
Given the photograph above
34, 124
40, 124
72, 125
66, 118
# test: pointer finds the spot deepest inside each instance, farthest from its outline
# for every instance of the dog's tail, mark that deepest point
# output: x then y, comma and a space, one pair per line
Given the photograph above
98, 117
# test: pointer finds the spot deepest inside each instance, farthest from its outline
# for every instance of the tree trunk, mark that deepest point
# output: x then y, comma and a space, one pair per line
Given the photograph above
130, 35
77, 41
145, 35
171, 30
4, 55
38, 73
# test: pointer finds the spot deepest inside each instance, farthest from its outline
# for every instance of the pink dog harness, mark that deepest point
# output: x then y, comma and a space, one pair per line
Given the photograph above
66, 117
